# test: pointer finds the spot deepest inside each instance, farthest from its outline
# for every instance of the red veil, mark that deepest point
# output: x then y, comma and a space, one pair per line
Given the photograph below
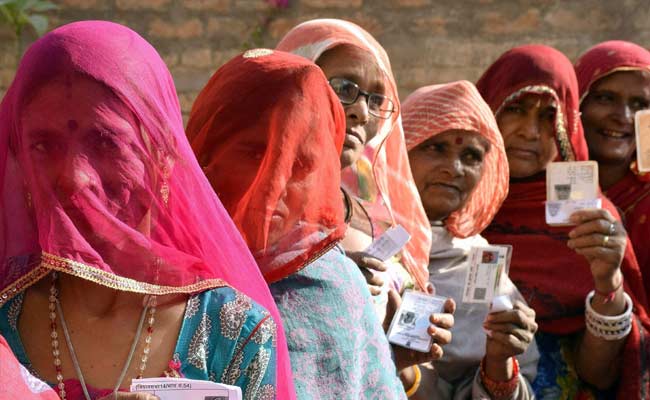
554, 279
131, 209
382, 176
268, 131
632, 194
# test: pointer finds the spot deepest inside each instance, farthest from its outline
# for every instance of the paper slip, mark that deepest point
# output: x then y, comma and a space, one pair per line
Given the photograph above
642, 129
486, 267
410, 323
570, 186
185, 389
389, 243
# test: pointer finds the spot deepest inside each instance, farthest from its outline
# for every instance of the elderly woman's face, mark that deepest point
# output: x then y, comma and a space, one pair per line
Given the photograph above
446, 169
82, 142
608, 115
360, 67
528, 128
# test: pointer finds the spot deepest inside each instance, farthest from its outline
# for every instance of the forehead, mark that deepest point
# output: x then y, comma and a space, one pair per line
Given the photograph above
620, 81
468, 137
353, 63
540, 100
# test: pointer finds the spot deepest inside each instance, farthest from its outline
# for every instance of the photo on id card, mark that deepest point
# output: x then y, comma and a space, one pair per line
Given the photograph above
570, 186
486, 267
642, 130
411, 321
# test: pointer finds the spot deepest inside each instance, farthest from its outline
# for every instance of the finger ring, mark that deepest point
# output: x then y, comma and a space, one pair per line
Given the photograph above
612, 229
605, 240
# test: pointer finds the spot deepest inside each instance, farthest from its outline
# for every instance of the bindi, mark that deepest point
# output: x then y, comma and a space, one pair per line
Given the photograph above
73, 125
459, 140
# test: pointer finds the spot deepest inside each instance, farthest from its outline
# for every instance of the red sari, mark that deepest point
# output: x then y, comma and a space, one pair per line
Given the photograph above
632, 193
553, 278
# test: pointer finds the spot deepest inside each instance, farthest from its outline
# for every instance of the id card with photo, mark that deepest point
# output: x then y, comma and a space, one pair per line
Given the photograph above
486, 267
410, 323
642, 129
389, 243
570, 186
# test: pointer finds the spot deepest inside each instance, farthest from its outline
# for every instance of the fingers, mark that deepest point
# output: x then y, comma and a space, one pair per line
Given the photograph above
514, 343
374, 290
366, 261
597, 240
439, 335
450, 306
430, 289
372, 278
582, 216
520, 317
442, 320
394, 301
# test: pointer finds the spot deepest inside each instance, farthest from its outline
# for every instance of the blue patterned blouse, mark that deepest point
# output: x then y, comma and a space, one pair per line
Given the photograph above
225, 337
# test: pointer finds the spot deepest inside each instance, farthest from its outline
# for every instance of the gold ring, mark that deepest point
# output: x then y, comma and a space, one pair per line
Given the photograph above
605, 240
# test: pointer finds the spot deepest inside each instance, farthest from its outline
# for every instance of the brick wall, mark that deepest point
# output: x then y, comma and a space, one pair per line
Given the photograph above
428, 41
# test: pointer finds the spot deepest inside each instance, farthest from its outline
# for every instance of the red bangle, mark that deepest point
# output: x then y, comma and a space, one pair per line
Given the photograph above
609, 296
501, 389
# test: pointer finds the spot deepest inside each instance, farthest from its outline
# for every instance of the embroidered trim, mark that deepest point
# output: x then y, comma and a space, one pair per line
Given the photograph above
51, 262
255, 371
565, 148
197, 352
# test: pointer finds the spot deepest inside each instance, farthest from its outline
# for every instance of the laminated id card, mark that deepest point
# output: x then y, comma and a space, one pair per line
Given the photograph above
410, 323
486, 267
389, 243
570, 186
642, 129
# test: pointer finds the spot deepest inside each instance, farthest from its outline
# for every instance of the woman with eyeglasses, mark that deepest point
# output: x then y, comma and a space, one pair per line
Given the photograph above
376, 179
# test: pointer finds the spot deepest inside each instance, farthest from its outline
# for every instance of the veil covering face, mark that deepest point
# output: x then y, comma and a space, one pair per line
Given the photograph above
382, 175
98, 179
268, 131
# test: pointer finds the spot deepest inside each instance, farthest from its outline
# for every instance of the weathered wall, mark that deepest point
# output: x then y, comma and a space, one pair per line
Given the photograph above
428, 40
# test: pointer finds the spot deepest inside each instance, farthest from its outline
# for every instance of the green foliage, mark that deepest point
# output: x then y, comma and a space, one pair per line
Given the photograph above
19, 14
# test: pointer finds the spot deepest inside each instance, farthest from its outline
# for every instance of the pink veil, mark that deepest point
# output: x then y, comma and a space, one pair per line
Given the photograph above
147, 220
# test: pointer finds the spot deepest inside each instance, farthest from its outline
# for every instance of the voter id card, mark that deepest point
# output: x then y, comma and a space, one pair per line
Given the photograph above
642, 129
410, 323
389, 243
570, 186
487, 265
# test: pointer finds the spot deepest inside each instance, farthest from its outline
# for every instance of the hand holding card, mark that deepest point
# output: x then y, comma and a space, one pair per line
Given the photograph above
570, 186
642, 128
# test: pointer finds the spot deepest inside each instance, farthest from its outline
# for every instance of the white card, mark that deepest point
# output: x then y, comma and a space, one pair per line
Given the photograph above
486, 267
389, 243
570, 186
184, 389
410, 323
642, 129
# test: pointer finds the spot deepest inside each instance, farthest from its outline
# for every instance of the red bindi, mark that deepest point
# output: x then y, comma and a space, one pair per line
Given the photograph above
459, 140
73, 125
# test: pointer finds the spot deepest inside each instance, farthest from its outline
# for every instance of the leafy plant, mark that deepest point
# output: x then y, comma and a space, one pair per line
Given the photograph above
19, 14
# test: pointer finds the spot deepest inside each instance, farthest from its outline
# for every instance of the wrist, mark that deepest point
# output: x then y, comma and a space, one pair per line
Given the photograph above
498, 368
500, 389
609, 284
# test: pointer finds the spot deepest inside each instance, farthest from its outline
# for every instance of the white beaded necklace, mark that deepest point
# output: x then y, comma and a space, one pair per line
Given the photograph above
55, 307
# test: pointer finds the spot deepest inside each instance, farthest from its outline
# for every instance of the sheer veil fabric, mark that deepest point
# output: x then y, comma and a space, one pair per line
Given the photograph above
114, 196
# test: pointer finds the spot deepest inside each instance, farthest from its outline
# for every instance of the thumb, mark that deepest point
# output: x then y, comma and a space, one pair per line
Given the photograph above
430, 288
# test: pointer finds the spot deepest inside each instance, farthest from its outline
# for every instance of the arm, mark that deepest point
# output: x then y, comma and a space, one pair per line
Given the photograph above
602, 241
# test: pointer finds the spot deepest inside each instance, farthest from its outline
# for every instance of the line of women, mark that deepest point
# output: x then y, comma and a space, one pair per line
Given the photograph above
234, 250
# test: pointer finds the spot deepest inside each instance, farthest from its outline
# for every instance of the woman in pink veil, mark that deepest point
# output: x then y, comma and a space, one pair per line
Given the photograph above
117, 260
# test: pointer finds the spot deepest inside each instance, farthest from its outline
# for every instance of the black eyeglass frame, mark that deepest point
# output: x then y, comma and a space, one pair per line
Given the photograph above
367, 95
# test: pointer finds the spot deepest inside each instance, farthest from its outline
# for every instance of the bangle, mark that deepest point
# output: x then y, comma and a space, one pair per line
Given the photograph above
416, 385
501, 389
609, 296
608, 327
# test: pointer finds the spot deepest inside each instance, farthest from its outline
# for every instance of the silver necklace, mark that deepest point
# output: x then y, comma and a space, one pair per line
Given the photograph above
55, 307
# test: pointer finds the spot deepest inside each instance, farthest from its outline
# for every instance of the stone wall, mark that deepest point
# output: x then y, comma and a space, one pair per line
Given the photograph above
428, 41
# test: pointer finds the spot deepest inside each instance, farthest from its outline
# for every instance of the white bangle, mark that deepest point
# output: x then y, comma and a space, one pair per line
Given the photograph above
608, 327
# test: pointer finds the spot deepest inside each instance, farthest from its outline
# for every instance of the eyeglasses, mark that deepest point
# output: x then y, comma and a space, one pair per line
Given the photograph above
348, 92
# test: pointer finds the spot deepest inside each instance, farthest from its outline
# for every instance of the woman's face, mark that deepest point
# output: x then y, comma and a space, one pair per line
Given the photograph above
83, 143
360, 67
528, 128
446, 169
608, 115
